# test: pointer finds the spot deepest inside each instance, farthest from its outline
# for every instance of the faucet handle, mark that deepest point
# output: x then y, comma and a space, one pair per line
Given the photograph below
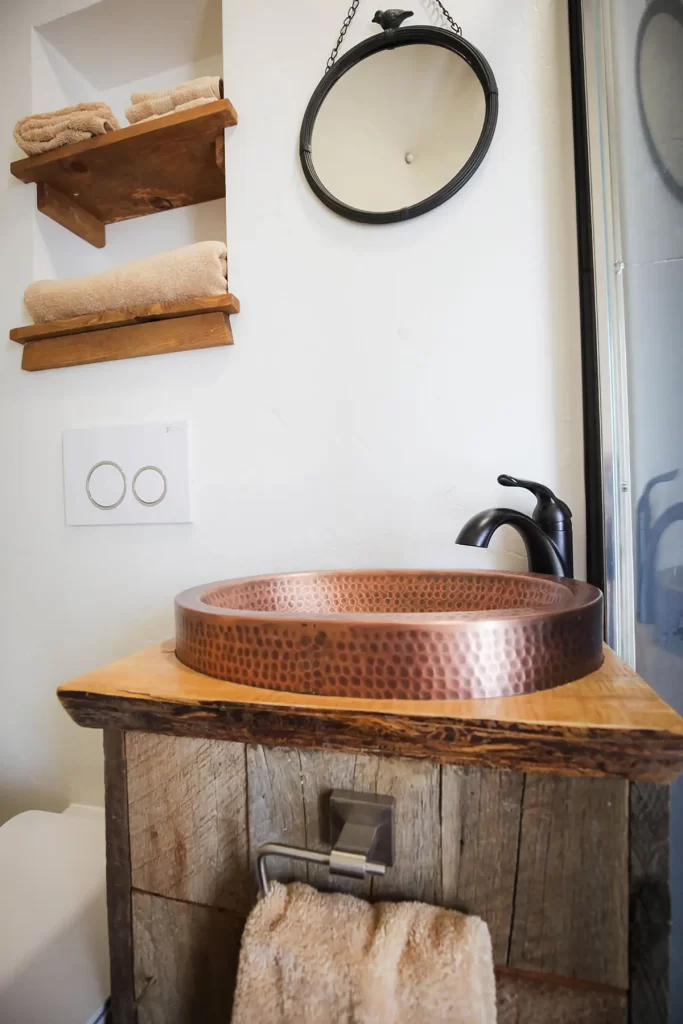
550, 510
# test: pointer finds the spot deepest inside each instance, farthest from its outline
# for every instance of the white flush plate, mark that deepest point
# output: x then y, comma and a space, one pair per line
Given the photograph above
127, 475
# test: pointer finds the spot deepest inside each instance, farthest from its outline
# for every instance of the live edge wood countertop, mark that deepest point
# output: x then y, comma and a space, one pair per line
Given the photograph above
609, 724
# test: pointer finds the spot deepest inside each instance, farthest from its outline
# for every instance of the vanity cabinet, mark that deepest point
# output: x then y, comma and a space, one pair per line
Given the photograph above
565, 856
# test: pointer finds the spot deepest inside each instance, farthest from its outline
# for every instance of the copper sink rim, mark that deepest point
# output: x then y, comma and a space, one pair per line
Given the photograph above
582, 596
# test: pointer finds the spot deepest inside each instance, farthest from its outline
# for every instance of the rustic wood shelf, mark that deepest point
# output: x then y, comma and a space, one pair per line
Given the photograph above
608, 724
157, 165
128, 333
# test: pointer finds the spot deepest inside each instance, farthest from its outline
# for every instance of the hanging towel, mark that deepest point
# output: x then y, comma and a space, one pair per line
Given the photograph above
145, 105
39, 133
326, 958
189, 273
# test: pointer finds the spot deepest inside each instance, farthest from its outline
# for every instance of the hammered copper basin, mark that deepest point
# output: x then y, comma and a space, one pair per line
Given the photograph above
387, 635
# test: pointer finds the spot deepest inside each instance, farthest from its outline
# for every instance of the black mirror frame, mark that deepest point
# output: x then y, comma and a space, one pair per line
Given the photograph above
675, 10
388, 40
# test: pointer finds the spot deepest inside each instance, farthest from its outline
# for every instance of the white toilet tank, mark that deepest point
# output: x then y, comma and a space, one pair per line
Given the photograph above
54, 961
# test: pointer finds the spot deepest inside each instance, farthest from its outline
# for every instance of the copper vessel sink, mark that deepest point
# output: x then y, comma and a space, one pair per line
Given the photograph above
393, 634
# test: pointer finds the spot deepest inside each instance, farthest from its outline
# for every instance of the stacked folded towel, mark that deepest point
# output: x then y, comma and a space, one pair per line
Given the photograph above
189, 273
147, 105
39, 133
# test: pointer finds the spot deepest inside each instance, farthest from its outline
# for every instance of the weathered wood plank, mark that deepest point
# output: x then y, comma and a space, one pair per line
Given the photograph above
288, 803
571, 899
480, 821
649, 903
416, 874
186, 960
276, 807
561, 909
119, 909
529, 998
188, 820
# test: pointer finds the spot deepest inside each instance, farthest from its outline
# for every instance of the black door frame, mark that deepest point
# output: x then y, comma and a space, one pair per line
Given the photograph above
592, 437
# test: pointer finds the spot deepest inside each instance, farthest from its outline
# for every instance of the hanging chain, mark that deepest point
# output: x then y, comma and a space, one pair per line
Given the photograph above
350, 15
454, 25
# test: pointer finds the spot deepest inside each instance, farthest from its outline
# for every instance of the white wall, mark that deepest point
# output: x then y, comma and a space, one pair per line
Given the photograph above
380, 380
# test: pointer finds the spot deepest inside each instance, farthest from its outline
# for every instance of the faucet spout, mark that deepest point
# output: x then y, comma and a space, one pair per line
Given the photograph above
543, 556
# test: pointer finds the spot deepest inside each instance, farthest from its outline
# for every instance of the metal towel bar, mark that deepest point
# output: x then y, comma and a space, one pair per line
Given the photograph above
361, 830
312, 857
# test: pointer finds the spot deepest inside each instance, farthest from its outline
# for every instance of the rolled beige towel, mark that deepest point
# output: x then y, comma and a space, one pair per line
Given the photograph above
183, 106
40, 133
154, 104
326, 958
188, 273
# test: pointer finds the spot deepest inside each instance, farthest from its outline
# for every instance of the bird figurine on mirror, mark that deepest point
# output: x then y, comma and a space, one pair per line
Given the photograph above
391, 19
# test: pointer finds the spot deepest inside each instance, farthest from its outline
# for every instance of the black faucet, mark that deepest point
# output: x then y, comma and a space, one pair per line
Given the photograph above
547, 533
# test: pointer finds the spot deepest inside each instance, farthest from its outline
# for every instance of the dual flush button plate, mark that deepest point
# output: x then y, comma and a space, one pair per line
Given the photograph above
127, 475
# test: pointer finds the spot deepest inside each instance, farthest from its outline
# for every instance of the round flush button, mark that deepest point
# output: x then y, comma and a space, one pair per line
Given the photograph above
105, 485
149, 485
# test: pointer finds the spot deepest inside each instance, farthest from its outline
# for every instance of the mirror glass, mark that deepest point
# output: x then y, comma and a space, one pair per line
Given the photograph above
661, 91
397, 127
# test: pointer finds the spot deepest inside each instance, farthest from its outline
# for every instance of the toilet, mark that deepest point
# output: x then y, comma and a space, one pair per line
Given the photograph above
54, 959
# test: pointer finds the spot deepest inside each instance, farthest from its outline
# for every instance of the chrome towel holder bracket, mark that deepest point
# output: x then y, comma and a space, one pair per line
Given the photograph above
361, 834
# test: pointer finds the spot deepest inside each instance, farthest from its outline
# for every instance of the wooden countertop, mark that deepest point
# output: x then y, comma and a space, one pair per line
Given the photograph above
609, 724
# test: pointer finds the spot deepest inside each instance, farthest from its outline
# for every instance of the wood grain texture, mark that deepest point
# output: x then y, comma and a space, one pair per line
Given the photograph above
185, 961
527, 998
542, 860
480, 824
142, 169
571, 895
188, 820
65, 211
225, 303
610, 724
416, 874
649, 903
119, 908
205, 330
276, 808
220, 152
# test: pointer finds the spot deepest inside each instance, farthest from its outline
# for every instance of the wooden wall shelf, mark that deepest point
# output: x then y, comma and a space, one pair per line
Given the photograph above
157, 165
125, 334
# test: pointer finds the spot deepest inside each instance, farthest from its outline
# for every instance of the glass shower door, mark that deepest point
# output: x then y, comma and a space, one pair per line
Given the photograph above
634, 81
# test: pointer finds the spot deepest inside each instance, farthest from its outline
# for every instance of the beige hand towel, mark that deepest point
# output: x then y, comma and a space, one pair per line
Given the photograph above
174, 110
39, 133
207, 85
188, 273
326, 958
150, 104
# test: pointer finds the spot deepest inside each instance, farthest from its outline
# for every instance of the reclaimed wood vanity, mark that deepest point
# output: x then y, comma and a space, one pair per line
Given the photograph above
546, 814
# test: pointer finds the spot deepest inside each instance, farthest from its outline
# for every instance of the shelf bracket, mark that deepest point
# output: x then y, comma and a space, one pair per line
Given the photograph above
70, 215
220, 151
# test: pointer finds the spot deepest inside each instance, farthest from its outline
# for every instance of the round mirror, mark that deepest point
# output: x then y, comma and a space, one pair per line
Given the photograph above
399, 124
660, 87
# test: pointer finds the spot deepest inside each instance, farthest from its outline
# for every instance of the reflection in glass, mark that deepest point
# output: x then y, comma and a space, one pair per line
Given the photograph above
660, 88
660, 591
